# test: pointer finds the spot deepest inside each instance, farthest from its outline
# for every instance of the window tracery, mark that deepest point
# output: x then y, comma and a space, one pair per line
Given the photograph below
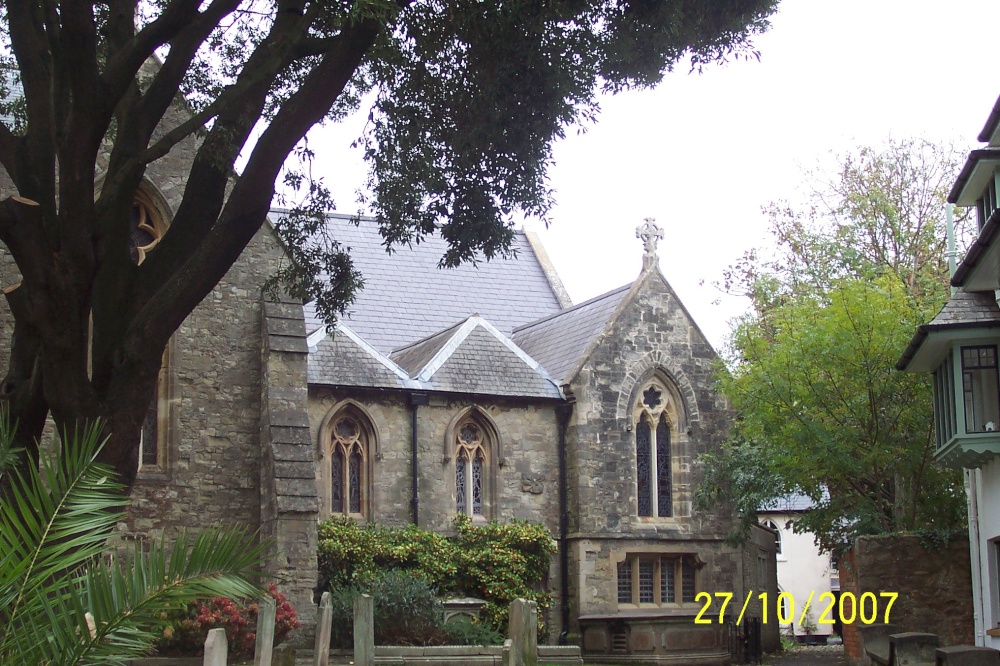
345, 466
655, 418
146, 227
471, 470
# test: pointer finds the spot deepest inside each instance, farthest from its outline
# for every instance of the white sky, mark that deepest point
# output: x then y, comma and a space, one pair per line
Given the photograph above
702, 153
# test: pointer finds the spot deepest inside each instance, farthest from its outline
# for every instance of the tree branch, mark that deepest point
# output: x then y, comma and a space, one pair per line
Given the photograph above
249, 202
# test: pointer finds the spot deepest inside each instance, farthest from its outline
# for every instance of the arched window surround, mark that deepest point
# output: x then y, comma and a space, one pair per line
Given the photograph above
656, 404
367, 441
479, 445
160, 429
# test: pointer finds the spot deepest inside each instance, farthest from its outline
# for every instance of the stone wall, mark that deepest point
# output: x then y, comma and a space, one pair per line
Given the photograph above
212, 470
934, 587
760, 574
525, 484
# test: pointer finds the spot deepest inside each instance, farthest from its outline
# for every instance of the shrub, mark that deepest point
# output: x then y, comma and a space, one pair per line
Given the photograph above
406, 611
498, 563
462, 631
184, 632
350, 554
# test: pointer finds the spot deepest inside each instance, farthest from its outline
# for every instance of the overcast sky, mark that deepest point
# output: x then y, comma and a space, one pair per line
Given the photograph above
703, 153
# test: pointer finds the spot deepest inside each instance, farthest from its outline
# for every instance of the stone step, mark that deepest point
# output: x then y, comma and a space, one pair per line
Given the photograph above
875, 641
912, 648
967, 655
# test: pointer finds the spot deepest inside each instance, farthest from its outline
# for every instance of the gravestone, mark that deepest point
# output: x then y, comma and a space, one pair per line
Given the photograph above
324, 621
216, 648
265, 633
364, 631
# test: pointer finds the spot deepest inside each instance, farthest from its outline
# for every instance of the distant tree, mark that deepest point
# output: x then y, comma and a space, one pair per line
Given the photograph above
881, 212
468, 99
811, 374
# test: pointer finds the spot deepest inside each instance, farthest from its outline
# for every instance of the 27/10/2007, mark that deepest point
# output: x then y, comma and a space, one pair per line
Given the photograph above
848, 609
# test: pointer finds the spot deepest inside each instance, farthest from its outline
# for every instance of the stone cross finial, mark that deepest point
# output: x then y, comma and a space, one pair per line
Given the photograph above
650, 234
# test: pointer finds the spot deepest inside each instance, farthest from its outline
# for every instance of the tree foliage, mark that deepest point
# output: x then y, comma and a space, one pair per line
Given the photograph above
824, 412
63, 599
811, 369
468, 99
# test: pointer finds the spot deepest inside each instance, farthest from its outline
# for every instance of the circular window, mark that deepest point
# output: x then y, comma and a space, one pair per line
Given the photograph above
146, 227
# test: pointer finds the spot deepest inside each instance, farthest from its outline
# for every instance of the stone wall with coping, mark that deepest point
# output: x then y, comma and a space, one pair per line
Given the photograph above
934, 586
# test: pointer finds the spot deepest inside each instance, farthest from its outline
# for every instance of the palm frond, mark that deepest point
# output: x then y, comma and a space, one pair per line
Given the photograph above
54, 571
54, 519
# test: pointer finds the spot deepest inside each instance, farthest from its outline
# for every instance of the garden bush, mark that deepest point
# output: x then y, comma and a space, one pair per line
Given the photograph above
463, 631
184, 631
406, 611
495, 562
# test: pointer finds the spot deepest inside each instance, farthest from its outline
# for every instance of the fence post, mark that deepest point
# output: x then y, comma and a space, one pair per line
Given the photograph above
265, 633
364, 631
216, 648
323, 625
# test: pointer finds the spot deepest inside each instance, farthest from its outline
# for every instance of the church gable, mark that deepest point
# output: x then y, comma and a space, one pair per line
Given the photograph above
344, 359
483, 364
474, 357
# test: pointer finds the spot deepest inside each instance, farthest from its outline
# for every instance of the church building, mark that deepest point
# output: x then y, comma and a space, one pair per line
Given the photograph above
479, 390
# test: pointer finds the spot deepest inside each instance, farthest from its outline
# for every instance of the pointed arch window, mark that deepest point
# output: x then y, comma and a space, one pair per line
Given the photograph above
154, 435
471, 470
655, 418
346, 464
147, 227
770, 524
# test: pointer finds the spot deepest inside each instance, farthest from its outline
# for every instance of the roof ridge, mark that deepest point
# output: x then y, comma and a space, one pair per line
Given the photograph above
571, 309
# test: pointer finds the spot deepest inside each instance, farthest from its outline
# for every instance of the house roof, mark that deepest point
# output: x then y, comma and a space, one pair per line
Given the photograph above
792, 503
992, 128
558, 341
406, 297
965, 309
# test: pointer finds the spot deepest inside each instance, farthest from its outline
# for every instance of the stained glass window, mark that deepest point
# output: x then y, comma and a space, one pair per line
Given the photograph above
348, 467
664, 499
642, 464
354, 481
471, 470
477, 484
667, 575
337, 481
656, 419
460, 465
687, 580
146, 228
150, 426
646, 578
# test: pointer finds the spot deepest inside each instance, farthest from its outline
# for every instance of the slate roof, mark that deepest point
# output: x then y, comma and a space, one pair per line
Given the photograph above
558, 341
345, 360
792, 502
469, 357
414, 357
965, 309
406, 297
968, 306
482, 363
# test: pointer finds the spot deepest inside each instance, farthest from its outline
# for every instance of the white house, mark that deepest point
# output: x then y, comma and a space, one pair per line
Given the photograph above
802, 568
960, 347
